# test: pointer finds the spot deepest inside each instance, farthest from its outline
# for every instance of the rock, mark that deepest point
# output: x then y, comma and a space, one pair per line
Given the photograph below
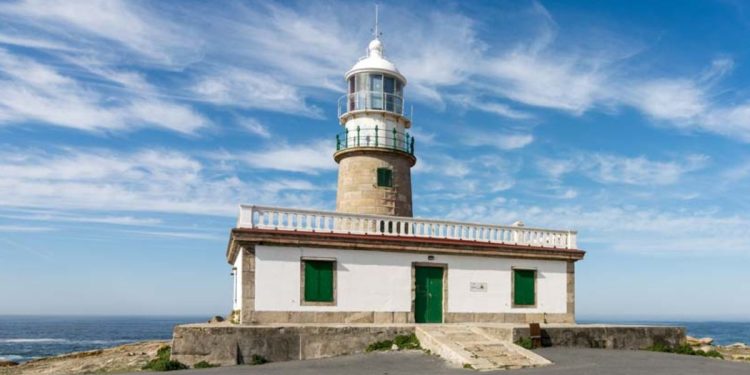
394, 347
216, 319
706, 341
96, 361
737, 345
706, 348
692, 341
8, 363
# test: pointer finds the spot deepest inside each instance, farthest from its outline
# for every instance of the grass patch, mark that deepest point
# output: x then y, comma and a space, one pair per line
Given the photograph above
258, 360
684, 349
468, 366
204, 364
162, 361
525, 342
379, 346
402, 342
407, 342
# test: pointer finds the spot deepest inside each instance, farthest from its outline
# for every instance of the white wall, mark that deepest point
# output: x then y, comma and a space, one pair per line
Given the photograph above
381, 281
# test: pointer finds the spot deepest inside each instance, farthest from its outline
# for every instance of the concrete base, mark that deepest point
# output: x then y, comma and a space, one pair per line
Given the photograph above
230, 344
605, 336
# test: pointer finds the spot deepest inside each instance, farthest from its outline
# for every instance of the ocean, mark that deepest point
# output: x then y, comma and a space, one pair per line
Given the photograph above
26, 338
23, 338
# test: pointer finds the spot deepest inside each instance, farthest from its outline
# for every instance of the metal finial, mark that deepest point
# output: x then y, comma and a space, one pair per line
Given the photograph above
375, 31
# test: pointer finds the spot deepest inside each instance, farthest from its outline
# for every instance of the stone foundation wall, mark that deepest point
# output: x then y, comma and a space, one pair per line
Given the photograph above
508, 318
398, 317
607, 337
228, 344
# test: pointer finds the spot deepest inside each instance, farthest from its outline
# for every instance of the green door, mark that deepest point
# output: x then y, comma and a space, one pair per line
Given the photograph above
428, 306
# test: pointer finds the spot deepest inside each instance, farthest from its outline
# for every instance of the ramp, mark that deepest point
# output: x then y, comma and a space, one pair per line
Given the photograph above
465, 345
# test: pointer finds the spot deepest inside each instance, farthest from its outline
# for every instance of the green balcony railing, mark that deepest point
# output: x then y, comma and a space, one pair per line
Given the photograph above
375, 137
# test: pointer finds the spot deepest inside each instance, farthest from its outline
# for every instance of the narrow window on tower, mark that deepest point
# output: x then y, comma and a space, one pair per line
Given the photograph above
385, 177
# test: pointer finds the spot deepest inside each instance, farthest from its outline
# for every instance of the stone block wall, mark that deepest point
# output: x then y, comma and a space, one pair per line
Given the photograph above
357, 182
227, 344
607, 336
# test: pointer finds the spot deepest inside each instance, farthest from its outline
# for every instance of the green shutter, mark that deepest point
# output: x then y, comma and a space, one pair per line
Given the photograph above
318, 281
385, 177
523, 282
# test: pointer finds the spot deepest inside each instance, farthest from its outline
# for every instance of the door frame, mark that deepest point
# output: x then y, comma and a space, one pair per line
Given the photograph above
414, 265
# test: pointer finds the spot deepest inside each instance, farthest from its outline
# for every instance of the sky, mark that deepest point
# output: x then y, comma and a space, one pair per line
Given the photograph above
130, 131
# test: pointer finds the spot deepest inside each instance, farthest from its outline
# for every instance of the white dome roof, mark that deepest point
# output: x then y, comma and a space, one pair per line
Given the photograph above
374, 61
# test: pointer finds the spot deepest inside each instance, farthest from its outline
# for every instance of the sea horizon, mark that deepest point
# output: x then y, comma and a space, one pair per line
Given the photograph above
27, 337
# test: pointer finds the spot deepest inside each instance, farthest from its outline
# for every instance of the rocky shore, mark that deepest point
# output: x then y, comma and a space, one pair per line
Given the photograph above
132, 357
125, 358
734, 352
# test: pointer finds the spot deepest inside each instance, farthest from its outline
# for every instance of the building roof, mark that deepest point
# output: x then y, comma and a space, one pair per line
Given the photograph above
375, 62
246, 237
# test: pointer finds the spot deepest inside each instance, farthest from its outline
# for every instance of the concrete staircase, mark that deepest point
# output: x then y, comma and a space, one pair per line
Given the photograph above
466, 345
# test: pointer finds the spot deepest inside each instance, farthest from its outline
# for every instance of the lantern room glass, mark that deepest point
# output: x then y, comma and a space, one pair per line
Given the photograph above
375, 91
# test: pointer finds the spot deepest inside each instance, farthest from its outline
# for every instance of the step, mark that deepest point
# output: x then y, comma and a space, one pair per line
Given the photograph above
466, 345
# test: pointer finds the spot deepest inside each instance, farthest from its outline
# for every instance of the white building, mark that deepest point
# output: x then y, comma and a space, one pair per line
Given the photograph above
370, 261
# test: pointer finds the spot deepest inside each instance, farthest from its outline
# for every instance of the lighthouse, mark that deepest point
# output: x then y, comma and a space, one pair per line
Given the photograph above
375, 151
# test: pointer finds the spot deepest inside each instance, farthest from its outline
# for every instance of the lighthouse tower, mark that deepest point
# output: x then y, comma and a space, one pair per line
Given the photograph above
375, 152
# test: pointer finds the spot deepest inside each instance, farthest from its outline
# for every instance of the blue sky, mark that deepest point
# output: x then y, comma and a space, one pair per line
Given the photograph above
130, 132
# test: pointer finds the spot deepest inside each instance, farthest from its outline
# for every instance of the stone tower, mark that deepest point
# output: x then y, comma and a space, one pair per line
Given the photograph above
375, 152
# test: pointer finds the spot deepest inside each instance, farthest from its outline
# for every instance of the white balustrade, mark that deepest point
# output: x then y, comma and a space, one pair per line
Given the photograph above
275, 218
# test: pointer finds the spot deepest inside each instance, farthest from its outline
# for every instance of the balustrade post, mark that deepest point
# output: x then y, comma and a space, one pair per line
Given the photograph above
394, 138
376, 136
338, 142
571, 240
357, 135
346, 138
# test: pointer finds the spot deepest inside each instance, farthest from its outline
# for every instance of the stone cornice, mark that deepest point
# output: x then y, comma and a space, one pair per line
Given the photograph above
250, 237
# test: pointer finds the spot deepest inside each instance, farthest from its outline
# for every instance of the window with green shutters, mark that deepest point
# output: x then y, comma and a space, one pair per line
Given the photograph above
318, 280
524, 288
385, 177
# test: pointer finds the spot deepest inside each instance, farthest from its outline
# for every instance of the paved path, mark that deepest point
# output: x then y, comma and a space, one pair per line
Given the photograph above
567, 362
463, 344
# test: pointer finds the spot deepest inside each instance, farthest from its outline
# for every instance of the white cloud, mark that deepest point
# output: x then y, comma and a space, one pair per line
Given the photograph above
639, 170
629, 228
678, 100
500, 140
545, 81
556, 168
142, 181
290, 54
247, 89
24, 228
65, 217
309, 158
608, 169
135, 28
175, 234
254, 126
30, 91
448, 177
